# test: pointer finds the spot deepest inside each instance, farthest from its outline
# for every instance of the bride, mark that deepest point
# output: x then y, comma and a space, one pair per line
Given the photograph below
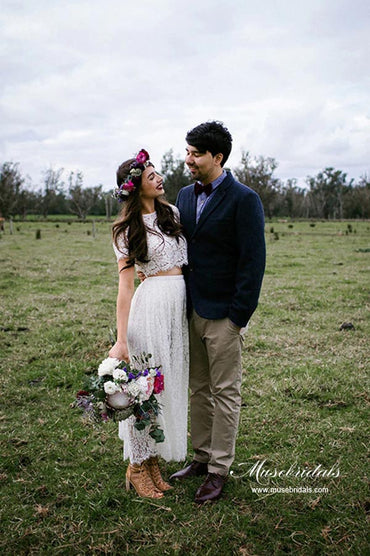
147, 235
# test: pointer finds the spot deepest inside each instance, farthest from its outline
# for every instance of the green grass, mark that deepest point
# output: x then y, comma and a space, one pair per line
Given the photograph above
304, 403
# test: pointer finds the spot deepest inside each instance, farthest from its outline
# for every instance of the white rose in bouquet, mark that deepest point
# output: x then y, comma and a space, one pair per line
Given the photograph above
111, 388
120, 374
107, 366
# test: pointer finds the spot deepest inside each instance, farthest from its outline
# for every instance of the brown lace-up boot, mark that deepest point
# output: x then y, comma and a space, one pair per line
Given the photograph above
138, 477
155, 474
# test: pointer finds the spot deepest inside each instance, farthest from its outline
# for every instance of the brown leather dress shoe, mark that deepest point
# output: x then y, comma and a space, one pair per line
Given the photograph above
211, 489
195, 469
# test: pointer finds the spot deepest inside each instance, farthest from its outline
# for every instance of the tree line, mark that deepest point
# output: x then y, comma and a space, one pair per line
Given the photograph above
328, 195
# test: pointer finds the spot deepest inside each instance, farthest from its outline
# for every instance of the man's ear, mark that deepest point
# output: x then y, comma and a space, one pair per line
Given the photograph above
218, 158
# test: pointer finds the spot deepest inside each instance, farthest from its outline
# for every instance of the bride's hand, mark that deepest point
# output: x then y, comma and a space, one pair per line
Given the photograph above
120, 351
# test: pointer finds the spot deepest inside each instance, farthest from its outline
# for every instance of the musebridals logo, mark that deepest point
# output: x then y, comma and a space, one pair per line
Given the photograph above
263, 473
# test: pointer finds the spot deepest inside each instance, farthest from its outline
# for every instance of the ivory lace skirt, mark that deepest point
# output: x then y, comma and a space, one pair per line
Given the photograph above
157, 324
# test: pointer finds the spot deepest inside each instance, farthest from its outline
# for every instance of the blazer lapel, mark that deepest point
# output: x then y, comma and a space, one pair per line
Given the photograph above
193, 209
188, 210
213, 203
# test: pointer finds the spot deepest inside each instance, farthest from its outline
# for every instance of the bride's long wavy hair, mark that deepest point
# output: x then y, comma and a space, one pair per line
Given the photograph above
130, 223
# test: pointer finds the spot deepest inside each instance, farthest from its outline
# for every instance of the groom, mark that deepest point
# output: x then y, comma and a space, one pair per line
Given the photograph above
224, 225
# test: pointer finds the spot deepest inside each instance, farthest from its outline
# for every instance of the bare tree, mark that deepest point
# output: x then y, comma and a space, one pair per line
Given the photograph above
293, 199
175, 175
257, 173
53, 186
326, 192
82, 199
11, 183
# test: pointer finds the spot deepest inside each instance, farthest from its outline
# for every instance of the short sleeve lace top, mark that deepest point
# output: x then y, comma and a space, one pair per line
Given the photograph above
164, 252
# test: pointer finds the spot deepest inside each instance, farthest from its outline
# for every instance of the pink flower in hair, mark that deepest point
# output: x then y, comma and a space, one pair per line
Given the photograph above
142, 157
129, 186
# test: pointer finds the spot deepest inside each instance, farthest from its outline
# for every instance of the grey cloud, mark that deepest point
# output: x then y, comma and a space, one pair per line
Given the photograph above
84, 84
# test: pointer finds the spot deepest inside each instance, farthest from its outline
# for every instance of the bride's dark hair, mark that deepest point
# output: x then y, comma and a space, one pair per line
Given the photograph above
130, 221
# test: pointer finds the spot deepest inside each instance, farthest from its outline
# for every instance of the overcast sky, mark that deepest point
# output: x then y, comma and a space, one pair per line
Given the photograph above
86, 83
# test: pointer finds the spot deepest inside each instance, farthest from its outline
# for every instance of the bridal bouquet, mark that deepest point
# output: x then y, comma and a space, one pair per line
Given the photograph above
120, 390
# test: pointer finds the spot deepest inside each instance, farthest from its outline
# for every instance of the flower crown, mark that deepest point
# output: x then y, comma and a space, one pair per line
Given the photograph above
134, 176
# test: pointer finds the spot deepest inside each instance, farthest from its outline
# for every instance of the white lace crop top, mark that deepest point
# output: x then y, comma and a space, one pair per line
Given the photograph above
164, 252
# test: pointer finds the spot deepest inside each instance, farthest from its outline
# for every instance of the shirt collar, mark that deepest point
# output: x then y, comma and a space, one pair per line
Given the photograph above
220, 179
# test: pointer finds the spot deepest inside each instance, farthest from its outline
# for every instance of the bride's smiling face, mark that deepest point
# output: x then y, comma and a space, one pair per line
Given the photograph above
151, 184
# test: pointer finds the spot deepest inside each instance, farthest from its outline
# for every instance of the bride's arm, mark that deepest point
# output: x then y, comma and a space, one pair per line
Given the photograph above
124, 297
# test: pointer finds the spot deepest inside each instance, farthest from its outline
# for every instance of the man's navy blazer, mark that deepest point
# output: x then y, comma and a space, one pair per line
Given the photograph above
226, 251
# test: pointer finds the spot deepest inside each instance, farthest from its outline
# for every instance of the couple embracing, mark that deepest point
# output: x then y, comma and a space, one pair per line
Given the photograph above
202, 262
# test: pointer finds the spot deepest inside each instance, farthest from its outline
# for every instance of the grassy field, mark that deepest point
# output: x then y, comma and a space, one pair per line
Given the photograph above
304, 404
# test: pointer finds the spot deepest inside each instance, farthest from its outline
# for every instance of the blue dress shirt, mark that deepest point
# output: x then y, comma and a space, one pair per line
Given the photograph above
202, 199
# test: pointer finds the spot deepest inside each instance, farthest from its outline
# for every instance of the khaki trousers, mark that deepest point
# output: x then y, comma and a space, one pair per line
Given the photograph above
215, 381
